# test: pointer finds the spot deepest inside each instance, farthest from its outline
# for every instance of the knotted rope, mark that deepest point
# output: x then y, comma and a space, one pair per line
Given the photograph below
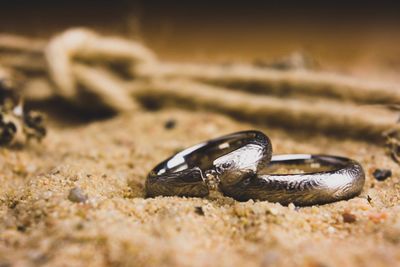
116, 73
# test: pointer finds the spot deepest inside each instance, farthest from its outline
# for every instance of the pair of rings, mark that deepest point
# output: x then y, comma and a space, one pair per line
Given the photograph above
242, 166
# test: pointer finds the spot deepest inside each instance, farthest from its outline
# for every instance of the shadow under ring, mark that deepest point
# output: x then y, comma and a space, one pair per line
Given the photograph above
340, 179
184, 174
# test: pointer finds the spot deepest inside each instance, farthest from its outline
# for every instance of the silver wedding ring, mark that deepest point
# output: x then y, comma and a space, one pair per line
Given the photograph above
315, 179
242, 167
186, 173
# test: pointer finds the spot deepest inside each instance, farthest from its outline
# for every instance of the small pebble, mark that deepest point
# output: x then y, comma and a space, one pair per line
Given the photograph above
199, 210
382, 174
76, 195
21, 228
170, 124
331, 230
348, 217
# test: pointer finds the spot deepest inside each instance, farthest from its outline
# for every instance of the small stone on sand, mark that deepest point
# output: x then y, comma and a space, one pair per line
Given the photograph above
77, 195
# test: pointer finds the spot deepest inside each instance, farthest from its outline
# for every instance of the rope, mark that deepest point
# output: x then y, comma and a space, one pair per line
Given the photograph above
120, 72
84, 44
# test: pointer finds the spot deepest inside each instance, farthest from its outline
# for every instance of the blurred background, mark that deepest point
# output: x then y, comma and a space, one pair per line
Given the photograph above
290, 53
361, 37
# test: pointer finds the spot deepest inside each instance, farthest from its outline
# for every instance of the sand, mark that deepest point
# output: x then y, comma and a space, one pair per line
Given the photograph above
108, 161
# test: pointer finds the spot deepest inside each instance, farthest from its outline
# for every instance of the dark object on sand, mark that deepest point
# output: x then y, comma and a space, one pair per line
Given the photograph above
77, 195
16, 124
382, 174
170, 124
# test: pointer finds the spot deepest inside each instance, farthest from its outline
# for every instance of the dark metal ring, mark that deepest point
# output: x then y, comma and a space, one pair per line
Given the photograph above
338, 178
185, 173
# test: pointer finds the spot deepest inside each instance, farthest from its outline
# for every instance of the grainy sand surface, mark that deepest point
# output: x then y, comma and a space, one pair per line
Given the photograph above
109, 160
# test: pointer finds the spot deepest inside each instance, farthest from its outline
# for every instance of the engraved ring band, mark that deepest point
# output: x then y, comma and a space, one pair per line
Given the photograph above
241, 165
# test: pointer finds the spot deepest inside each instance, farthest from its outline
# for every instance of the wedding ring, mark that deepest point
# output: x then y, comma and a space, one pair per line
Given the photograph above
317, 179
187, 172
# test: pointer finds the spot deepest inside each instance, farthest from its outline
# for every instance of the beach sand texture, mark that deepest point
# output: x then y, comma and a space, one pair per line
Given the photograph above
108, 162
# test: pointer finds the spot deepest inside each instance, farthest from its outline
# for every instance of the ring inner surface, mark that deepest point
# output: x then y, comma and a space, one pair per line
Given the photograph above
303, 164
203, 155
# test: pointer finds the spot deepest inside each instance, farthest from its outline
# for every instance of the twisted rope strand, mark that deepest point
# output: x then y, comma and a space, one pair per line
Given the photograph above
281, 83
79, 59
321, 115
